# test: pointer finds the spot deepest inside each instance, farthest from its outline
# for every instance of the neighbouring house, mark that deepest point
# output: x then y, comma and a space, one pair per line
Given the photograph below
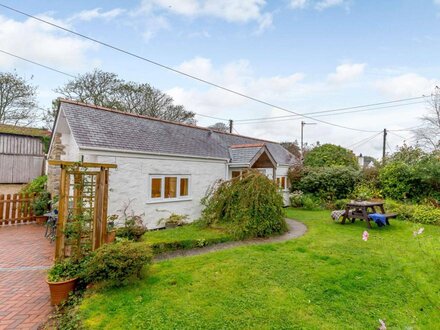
162, 166
22, 153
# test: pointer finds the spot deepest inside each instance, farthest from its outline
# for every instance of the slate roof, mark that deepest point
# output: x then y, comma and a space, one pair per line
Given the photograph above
243, 155
97, 127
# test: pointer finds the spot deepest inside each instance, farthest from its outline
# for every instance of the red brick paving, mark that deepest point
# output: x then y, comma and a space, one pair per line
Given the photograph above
24, 295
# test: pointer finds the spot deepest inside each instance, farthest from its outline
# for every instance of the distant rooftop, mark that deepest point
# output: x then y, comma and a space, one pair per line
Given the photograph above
25, 131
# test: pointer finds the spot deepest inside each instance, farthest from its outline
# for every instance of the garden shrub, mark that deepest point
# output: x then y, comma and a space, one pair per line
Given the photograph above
404, 211
329, 183
133, 228
398, 181
116, 264
365, 191
426, 214
250, 206
328, 155
37, 185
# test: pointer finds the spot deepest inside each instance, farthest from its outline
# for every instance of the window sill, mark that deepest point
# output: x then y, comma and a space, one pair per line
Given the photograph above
171, 200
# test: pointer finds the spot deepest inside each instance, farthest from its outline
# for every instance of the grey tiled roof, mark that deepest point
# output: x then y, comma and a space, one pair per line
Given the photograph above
103, 128
243, 155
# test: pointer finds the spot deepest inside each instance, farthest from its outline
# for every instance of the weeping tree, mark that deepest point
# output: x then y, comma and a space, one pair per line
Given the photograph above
250, 206
17, 100
106, 89
428, 135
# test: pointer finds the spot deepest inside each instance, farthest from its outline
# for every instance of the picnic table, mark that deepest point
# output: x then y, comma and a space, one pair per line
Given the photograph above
360, 210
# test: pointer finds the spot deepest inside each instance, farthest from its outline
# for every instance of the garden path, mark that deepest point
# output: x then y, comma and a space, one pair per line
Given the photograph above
24, 257
296, 229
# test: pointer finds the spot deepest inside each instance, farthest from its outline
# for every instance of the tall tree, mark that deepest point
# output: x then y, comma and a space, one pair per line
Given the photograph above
328, 155
222, 127
108, 90
428, 135
18, 105
293, 148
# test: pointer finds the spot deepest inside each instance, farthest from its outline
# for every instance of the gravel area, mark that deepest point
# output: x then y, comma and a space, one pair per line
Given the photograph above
296, 229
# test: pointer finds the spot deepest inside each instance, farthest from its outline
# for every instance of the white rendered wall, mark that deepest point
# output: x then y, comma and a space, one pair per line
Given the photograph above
130, 181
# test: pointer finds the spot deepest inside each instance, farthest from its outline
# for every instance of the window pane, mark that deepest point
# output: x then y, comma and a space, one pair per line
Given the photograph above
156, 187
278, 182
170, 187
184, 187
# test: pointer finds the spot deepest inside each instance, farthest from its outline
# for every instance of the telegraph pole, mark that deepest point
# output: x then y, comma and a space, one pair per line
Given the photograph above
303, 123
384, 145
231, 125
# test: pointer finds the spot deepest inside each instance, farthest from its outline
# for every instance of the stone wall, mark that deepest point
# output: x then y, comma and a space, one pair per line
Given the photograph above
54, 172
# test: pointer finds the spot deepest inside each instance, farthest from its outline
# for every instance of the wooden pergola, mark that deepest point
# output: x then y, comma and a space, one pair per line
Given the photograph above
82, 209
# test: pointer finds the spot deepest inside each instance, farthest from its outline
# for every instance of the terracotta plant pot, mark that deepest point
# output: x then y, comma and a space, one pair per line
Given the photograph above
111, 236
40, 219
59, 291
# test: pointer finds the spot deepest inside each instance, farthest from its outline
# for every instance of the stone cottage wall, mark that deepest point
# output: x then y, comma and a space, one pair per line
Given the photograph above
54, 172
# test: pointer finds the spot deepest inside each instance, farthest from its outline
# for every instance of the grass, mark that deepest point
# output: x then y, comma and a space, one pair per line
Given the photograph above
327, 279
185, 237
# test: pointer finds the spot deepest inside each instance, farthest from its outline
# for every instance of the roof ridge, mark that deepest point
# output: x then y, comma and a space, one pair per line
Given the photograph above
97, 107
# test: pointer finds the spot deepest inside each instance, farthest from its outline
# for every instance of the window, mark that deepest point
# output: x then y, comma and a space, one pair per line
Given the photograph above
282, 182
156, 187
184, 182
169, 187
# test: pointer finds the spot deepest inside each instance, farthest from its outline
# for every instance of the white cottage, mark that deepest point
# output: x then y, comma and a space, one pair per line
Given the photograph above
161, 165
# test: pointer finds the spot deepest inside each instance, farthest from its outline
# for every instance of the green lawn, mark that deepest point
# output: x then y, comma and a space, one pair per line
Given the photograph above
328, 279
185, 237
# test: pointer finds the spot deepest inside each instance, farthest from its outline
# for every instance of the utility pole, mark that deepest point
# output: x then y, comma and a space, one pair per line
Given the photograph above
303, 123
384, 145
231, 125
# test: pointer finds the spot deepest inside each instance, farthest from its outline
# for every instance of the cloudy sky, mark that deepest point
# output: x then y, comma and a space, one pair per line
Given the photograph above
306, 56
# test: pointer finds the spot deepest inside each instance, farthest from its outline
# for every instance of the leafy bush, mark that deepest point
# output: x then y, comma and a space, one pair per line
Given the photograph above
329, 183
117, 263
305, 201
41, 203
64, 270
398, 181
330, 155
426, 215
133, 228
404, 211
365, 191
174, 220
37, 185
250, 206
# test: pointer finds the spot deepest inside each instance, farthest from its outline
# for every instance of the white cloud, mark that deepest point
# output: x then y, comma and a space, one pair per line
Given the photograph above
154, 24
97, 13
298, 4
437, 2
42, 43
243, 11
325, 4
406, 85
346, 72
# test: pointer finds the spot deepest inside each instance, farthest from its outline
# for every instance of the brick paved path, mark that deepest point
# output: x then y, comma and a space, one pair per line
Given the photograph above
24, 257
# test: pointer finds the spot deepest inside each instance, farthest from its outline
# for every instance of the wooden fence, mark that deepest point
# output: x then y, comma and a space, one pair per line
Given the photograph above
16, 208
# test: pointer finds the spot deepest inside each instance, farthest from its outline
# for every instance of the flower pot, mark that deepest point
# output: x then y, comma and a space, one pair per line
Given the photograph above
40, 219
111, 236
59, 291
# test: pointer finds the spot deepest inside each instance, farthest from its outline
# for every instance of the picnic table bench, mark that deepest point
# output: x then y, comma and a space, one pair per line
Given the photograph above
360, 210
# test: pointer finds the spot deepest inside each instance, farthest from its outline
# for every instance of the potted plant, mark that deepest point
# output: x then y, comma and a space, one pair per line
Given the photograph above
62, 279
40, 206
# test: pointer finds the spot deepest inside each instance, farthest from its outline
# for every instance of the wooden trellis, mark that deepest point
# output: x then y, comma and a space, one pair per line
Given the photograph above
82, 210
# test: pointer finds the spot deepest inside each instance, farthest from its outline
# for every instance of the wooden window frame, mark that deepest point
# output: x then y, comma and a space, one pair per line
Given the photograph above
279, 181
162, 198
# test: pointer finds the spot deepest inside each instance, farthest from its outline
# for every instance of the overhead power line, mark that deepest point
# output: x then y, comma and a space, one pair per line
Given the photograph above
341, 109
39, 64
177, 71
363, 141
325, 114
